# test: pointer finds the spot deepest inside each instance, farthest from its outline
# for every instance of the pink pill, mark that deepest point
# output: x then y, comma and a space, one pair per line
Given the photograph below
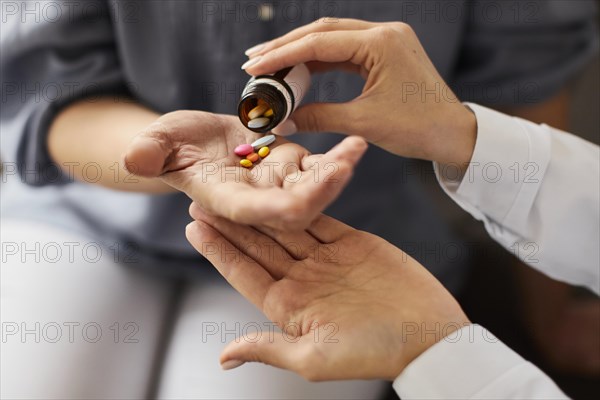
243, 150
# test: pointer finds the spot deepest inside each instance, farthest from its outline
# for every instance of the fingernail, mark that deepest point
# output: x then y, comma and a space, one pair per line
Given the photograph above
251, 62
286, 128
254, 49
231, 364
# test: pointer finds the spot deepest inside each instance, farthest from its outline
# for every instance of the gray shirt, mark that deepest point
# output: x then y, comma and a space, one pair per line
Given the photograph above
172, 55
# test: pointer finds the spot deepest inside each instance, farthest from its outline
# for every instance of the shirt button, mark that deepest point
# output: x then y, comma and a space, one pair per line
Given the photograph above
266, 12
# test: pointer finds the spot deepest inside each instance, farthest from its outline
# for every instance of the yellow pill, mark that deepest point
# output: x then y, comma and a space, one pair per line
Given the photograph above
246, 163
258, 111
268, 113
253, 157
263, 152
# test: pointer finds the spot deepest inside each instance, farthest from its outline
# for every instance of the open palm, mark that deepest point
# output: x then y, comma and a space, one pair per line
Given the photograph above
193, 152
350, 304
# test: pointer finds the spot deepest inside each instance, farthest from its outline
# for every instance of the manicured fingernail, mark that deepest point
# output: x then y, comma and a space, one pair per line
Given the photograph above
254, 49
251, 62
231, 364
286, 128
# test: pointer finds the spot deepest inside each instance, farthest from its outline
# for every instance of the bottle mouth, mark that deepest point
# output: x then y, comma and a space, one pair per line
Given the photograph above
271, 105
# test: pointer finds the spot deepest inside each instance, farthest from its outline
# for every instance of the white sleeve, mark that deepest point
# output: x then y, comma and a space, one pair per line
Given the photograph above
471, 363
537, 191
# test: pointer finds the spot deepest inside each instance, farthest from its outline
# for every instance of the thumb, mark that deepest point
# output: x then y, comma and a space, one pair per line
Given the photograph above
271, 348
321, 117
148, 152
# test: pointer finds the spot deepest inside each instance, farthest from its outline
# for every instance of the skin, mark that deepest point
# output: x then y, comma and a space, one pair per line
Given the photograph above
388, 56
192, 151
374, 289
98, 132
385, 55
346, 299
178, 147
175, 150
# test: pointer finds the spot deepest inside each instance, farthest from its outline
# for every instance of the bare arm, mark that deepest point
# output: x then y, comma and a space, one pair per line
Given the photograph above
96, 133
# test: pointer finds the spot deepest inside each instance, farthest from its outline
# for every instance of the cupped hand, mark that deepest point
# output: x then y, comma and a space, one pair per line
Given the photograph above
193, 152
350, 304
405, 106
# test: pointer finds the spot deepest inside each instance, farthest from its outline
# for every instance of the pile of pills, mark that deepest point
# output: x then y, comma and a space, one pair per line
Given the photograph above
260, 115
255, 151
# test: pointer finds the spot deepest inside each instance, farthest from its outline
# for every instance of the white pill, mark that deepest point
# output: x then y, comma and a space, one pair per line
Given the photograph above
263, 141
258, 122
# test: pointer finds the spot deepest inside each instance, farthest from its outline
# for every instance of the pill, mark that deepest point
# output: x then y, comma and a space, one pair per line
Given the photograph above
268, 113
258, 110
243, 150
258, 123
252, 157
263, 141
246, 163
263, 152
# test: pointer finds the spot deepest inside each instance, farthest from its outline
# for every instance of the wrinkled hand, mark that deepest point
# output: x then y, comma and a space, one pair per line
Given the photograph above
348, 301
193, 152
405, 106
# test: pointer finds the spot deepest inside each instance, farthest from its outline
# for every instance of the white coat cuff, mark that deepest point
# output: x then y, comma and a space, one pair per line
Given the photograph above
506, 169
471, 363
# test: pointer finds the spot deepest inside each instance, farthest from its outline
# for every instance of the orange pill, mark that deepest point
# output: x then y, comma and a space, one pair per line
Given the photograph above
258, 111
252, 157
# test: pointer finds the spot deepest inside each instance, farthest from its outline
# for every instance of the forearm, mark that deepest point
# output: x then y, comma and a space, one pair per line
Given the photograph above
97, 133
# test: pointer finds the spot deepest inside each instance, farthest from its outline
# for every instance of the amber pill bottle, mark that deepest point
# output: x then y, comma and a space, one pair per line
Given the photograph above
281, 91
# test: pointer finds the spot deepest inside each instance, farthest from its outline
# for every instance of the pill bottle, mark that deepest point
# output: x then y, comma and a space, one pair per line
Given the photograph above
281, 91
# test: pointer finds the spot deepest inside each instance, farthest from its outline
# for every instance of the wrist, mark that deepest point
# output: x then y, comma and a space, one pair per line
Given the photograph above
465, 134
427, 335
429, 323
454, 142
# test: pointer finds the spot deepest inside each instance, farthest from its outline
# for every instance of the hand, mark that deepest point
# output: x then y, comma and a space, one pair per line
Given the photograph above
193, 152
396, 110
348, 301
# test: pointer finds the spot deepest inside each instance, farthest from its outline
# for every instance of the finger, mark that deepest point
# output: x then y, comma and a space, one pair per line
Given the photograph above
196, 210
309, 161
322, 117
316, 67
147, 153
245, 275
335, 46
274, 350
321, 25
325, 180
254, 244
350, 150
328, 230
303, 195
299, 244
250, 205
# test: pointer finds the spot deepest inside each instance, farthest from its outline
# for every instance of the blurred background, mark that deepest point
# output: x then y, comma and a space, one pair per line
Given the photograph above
500, 298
